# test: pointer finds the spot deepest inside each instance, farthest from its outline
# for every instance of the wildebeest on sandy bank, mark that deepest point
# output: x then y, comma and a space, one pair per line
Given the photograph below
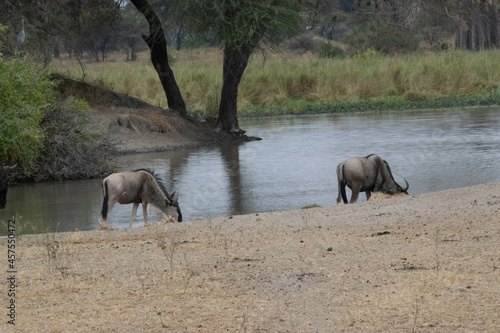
366, 174
140, 186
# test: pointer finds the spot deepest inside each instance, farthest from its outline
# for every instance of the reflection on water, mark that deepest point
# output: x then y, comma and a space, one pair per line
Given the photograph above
292, 167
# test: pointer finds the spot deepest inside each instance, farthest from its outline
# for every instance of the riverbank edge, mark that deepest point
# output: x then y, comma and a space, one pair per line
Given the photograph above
375, 257
211, 139
375, 105
432, 198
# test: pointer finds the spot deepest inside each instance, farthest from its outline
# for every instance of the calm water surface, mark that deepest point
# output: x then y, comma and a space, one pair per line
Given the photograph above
293, 166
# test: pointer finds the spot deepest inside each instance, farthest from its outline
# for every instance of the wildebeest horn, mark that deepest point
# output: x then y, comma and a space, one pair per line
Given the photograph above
407, 186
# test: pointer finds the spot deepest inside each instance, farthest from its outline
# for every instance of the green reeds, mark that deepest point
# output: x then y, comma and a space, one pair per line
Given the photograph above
287, 83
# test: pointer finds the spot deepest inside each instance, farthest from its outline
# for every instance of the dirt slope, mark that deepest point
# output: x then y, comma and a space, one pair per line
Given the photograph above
136, 126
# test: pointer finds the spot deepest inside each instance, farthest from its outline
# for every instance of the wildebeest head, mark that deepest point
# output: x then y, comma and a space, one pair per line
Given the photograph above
173, 206
390, 186
4, 182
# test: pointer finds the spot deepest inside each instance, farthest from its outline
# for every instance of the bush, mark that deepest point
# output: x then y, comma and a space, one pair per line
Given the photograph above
24, 95
381, 37
303, 43
327, 50
75, 146
50, 139
390, 41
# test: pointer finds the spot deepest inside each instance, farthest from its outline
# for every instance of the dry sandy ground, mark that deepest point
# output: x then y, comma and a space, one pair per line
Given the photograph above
428, 263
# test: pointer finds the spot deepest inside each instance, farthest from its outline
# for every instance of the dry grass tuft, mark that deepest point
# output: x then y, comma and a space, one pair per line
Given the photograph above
161, 122
107, 227
381, 196
168, 219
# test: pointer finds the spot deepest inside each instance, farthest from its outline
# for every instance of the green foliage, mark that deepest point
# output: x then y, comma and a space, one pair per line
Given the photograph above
25, 93
3, 29
311, 206
239, 23
390, 41
49, 139
289, 84
327, 50
382, 37
303, 43
191, 41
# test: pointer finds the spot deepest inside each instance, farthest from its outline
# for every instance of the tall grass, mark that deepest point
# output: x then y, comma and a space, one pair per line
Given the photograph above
291, 83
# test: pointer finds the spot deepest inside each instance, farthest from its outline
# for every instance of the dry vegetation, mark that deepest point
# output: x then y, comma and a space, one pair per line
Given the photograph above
381, 196
295, 81
428, 263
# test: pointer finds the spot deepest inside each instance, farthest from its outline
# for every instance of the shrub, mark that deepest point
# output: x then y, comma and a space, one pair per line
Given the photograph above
50, 139
303, 43
25, 93
75, 145
382, 37
327, 50
390, 40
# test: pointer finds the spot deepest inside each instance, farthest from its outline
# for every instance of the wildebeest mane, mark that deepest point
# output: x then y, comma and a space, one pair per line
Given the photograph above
158, 181
389, 170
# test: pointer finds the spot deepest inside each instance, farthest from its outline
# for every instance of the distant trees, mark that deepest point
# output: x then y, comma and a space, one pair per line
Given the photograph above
476, 22
127, 32
478, 25
96, 27
401, 25
53, 27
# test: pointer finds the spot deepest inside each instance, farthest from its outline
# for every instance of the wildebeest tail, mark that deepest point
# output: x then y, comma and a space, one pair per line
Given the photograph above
342, 184
104, 211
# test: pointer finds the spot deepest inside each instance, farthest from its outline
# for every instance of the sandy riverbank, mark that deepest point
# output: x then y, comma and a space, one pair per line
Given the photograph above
429, 263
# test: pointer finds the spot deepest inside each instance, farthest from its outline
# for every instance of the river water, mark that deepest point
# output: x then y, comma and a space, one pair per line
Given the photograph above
293, 166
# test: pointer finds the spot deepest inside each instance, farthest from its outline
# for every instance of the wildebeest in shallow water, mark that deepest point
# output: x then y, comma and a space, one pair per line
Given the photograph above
140, 186
4, 182
366, 174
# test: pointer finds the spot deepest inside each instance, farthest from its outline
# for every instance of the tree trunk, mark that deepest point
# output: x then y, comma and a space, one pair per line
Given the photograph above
235, 62
158, 46
178, 37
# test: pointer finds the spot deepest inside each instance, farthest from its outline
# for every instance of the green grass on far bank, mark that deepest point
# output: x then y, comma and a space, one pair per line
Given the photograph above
278, 84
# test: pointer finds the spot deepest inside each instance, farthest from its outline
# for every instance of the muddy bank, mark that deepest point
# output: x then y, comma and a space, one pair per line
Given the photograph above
135, 126
426, 263
137, 130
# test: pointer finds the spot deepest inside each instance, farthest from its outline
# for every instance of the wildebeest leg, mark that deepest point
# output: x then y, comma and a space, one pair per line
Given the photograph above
341, 184
368, 195
355, 193
106, 208
134, 213
339, 197
145, 212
